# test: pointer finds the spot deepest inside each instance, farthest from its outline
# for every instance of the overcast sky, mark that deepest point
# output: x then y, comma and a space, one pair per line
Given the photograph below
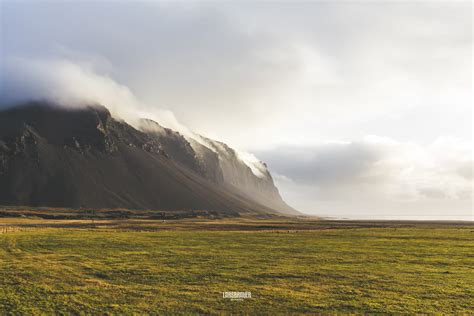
361, 109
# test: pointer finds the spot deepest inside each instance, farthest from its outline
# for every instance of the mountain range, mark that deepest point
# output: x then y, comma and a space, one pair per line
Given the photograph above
55, 156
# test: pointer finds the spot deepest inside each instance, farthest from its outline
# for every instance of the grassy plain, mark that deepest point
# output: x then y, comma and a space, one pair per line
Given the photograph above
156, 267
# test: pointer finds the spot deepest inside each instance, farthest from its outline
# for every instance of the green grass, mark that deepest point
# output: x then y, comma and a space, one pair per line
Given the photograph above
401, 270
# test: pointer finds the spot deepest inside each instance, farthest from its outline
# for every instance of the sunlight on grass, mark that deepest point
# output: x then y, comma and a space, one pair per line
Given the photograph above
372, 270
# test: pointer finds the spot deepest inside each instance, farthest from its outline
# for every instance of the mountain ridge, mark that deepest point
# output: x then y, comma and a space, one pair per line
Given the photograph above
51, 156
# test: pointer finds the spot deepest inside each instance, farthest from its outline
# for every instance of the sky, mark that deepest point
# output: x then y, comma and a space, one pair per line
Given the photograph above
360, 109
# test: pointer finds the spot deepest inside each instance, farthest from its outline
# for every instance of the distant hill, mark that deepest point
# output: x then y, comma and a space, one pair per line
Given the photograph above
85, 158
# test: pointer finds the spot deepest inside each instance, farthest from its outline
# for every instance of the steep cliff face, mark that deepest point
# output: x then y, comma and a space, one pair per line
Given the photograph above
50, 156
244, 174
238, 172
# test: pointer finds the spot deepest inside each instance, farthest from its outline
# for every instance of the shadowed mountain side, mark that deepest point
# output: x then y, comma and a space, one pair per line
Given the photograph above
84, 158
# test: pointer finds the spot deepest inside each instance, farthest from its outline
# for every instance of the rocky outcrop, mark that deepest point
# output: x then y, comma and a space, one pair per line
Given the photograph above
221, 164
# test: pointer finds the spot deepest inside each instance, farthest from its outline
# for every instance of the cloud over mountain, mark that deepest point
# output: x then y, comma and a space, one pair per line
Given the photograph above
77, 85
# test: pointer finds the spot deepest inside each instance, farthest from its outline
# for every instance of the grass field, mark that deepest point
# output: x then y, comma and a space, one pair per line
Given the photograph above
325, 267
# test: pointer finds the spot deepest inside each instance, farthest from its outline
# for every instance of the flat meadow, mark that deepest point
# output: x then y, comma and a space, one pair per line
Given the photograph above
151, 267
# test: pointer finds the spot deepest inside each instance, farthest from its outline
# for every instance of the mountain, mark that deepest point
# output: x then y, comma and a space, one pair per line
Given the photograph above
237, 172
85, 158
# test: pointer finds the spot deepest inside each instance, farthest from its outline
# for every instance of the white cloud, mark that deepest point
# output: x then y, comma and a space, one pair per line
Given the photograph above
283, 70
375, 175
75, 85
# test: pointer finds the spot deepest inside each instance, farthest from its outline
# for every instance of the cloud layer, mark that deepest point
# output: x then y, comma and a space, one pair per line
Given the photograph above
75, 85
377, 177
279, 79
281, 69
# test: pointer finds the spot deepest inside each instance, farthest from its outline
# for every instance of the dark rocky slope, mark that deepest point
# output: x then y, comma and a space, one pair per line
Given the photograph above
50, 156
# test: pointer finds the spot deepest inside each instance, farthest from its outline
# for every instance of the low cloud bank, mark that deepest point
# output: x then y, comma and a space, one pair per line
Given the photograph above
397, 177
74, 84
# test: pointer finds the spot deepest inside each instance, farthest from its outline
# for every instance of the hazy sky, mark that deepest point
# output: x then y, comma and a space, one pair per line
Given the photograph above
360, 109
